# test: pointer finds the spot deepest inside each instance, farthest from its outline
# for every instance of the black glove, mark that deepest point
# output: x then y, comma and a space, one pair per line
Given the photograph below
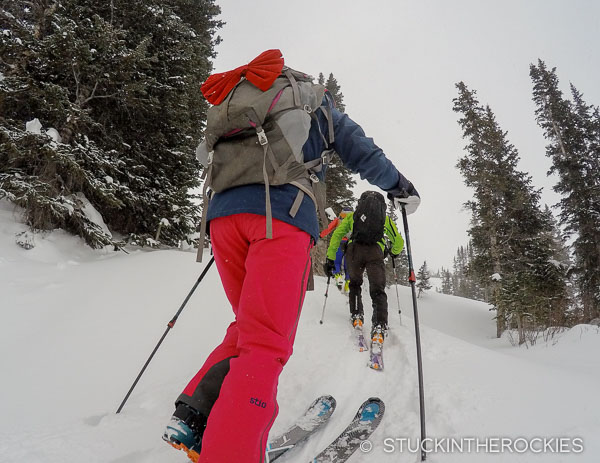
344, 246
403, 189
405, 196
329, 267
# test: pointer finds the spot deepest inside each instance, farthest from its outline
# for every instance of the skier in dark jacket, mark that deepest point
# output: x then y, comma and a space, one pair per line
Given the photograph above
226, 411
369, 257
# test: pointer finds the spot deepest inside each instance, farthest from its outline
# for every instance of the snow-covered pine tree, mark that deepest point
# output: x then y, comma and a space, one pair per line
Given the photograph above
338, 179
509, 232
463, 280
112, 93
475, 289
446, 276
402, 269
573, 130
423, 279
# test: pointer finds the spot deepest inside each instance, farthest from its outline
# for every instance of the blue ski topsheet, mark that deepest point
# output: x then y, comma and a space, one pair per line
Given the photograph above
367, 419
315, 416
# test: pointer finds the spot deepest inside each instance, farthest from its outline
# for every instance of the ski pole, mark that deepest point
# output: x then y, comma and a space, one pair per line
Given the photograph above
325, 303
412, 279
170, 325
396, 284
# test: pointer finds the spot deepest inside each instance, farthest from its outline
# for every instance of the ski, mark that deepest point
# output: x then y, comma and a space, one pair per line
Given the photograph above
358, 333
315, 416
360, 339
376, 358
367, 419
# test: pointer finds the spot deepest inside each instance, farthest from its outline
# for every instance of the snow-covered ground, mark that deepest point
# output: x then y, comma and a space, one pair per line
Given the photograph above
78, 324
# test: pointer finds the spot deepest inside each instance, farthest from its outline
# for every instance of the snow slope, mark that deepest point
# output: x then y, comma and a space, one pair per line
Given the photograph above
78, 325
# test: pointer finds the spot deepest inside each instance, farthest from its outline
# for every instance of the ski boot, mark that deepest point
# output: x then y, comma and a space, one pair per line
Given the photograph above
339, 281
185, 430
378, 333
377, 336
357, 325
357, 322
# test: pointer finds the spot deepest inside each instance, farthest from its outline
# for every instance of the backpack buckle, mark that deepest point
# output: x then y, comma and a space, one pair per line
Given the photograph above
307, 108
262, 137
314, 178
209, 159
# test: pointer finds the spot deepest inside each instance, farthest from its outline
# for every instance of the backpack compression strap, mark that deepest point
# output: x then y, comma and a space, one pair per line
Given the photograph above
203, 221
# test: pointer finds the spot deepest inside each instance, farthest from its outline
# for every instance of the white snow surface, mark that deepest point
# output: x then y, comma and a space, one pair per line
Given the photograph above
78, 324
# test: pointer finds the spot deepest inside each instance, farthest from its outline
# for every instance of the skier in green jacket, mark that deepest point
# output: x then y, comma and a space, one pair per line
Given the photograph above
362, 256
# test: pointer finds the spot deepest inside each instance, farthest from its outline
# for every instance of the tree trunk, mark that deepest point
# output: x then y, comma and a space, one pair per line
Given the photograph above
500, 312
520, 329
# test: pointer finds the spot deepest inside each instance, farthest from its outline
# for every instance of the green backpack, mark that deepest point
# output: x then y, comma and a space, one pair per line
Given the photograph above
257, 137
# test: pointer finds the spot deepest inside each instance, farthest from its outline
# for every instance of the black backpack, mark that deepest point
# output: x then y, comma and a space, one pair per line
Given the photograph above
369, 218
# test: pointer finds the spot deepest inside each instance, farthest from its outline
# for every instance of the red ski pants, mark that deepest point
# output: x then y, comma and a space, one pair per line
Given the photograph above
265, 281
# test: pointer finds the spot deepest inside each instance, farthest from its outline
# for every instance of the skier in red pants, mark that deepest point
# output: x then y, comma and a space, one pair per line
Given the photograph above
226, 411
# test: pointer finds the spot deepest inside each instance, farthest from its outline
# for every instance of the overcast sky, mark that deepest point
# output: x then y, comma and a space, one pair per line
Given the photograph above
397, 62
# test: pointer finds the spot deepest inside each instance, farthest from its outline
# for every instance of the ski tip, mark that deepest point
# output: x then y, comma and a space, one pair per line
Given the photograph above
327, 399
373, 406
326, 403
374, 399
376, 366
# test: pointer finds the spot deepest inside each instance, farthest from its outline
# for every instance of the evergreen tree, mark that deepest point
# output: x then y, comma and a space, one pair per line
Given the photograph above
339, 179
446, 276
475, 290
423, 279
334, 88
402, 268
573, 131
461, 282
509, 232
464, 278
115, 88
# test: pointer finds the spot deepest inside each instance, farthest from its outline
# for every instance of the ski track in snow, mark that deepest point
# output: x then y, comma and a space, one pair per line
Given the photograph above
79, 324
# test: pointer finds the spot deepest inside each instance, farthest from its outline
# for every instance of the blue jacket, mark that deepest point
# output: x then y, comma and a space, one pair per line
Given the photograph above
358, 153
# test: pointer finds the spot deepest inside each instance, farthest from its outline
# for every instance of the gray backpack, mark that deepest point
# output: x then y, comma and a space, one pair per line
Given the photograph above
257, 137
